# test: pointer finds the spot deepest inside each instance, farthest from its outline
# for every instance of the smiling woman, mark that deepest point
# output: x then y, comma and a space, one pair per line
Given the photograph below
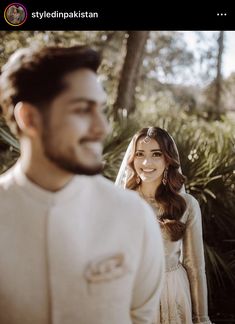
155, 166
149, 162
151, 167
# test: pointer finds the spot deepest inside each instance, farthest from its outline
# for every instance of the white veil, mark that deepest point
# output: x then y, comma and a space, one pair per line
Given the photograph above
123, 170
123, 175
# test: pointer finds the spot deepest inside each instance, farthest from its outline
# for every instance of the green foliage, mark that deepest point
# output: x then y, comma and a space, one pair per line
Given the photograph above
9, 147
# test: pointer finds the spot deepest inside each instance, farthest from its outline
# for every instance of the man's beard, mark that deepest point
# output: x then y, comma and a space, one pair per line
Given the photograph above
65, 163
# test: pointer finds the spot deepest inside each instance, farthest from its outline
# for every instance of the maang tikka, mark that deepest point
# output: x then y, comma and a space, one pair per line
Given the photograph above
147, 139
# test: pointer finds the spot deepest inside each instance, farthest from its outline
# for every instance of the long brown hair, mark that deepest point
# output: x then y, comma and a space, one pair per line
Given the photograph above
167, 196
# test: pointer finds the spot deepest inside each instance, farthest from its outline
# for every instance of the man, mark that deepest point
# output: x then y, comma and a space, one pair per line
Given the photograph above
73, 248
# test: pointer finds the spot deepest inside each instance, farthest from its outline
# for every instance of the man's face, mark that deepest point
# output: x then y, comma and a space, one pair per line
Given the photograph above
73, 134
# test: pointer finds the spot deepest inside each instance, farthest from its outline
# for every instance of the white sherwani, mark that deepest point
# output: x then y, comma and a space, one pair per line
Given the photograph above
90, 253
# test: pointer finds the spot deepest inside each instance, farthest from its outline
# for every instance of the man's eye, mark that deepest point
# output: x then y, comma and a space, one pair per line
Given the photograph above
83, 110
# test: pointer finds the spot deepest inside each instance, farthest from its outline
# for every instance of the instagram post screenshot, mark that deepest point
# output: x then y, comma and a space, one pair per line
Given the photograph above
117, 163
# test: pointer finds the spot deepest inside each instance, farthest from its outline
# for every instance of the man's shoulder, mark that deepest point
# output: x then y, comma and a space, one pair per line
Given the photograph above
6, 180
112, 190
124, 200
7, 188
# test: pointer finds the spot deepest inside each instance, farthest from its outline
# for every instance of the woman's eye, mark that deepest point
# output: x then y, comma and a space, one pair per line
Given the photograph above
157, 154
138, 154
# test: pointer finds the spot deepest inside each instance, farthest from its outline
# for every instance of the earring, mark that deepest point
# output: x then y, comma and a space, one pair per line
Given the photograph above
137, 179
164, 179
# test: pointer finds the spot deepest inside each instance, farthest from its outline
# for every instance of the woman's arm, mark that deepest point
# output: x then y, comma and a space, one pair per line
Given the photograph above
194, 263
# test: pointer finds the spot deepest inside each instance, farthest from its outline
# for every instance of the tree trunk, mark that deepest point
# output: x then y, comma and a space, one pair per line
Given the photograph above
218, 79
125, 101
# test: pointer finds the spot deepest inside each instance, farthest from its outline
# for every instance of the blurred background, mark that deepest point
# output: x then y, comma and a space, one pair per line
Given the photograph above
183, 81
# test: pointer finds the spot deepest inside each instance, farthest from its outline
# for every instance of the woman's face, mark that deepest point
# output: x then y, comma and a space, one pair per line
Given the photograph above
149, 161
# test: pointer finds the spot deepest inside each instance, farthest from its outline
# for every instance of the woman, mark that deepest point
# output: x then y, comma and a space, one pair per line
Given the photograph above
151, 167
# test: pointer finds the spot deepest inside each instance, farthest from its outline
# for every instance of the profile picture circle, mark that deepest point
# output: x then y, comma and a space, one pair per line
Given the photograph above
15, 14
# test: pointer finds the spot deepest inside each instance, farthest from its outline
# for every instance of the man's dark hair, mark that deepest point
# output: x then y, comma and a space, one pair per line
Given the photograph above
36, 75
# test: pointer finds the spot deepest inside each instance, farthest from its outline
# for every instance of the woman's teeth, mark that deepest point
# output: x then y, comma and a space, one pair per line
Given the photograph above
148, 170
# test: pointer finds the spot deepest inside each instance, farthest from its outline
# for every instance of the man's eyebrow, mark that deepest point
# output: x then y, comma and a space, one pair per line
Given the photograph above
82, 99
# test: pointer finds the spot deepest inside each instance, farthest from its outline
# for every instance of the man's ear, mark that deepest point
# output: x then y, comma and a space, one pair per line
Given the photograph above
28, 118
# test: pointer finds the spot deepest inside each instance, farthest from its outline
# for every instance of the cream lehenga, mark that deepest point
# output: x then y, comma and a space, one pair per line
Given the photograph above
184, 295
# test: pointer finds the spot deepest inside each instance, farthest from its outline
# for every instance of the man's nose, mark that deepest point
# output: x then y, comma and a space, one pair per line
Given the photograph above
100, 125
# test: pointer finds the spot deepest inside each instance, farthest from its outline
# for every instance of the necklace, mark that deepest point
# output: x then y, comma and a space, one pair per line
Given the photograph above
151, 198
152, 201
